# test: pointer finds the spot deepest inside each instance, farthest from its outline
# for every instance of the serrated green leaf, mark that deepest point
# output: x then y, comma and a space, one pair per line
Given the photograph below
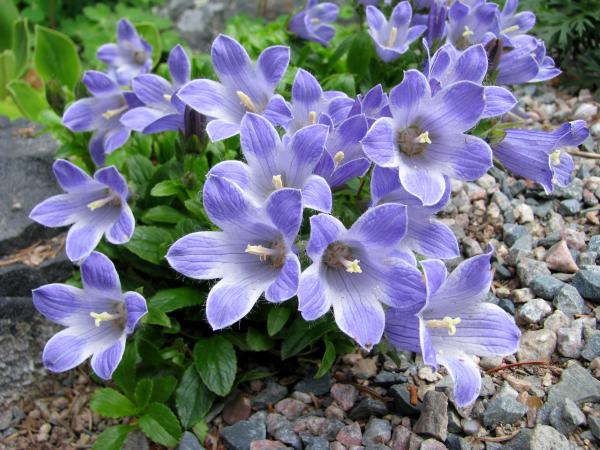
150, 243
216, 362
328, 359
139, 169
109, 403
56, 56
21, 46
156, 317
192, 398
163, 214
169, 300
278, 316
161, 425
112, 438
163, 388
257, 341
143, 393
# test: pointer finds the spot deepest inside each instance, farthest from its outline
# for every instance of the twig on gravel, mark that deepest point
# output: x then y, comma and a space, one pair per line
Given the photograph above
372, 392
588, 155
524, 363
499, 438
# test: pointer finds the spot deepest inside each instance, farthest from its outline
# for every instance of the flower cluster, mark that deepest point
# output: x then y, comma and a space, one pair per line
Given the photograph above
413, 140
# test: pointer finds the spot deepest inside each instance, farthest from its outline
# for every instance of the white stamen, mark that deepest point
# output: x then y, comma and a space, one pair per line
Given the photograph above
315, 21
167, 97
555, 157
246, 101
511, 29
277, 181
103, 317
312, 117
392, 38
338, 158
260, 251
423, 138
446, 322
101, 202
114, 112
468, 32
351, 266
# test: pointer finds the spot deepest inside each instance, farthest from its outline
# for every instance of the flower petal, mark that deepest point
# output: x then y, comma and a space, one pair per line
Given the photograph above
179, 66
82, 239
284, 208
432, 238
324, 229
136, 309
65, 350
352, 169
66, 305
218, 130
99, 84
286, 284
98, 274
316, 194
307, 146
278, 111
112, 178
498, 101
465, 373
273, 62
168, 122
428, 186
379, 144
108, 53
63, 209
313, 300
225, 202
407, 97
402, 328
106, 361
260, 143
137, 119
233, 170
435, 274
306, 93
151, 89
70, 177
212, 99
381, 226
122, 229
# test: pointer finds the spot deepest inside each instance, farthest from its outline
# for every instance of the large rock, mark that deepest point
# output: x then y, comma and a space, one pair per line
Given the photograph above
537, 345
434, 418
542, 437
587, 282
25, 180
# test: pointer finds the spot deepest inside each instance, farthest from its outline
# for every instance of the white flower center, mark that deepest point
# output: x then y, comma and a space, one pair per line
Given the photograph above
312, 117
338, 158
246, 101
511, 29
393, 36
468, 32
447, 322
115, 112
277, 181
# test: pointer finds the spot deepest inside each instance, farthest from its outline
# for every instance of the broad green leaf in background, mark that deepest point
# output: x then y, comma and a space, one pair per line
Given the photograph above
9, 109
169, 300
143, 393
8, 70
139, 169
257, 341
21, 46
112, 438
166, 188
125, 375
163, 388
216, 362
56, 56
359, 54
150, 33
163, 214
328, 359
150, 243
8, 15
302, 334
278, 316
32, 103
109, 403
192, 398
161, 425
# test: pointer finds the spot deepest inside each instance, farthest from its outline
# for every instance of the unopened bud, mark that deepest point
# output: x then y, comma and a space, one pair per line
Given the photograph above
194, 124
494, 53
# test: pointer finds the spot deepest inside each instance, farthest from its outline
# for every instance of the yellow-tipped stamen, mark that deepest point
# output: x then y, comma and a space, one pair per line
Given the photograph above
167, 97
468, 32
312, 117
277, 181
446, 322
423, 138
338, 158
351, 266
315, 21
260, 251
555, 157
393, 36
102, 317
101, 202
511, 29
246, 101
114, 112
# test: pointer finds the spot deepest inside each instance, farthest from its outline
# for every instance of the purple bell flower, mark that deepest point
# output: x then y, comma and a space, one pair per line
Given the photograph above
425, 138
475, 23
273, 164
92, 206
243, 87
374, 105
355, 272
450, 65
424, 235
129, 57
436, 22
312, 23
514, 24
526, 62
393, 38
97, 318
252, 254
101, 114
537, 155
163, 111
366, 3
454, 323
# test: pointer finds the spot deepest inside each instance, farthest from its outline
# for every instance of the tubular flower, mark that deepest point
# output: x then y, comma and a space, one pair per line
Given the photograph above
355, 272
526, 62
449, 65
425, 138
252, 254
424, 235
454, 323
273, 164
515, 24
537, 155
97, 318
92, 206
393, 38
101, 114
129, 57
243, 87
374, 104
312, 23
163, 111
474, 23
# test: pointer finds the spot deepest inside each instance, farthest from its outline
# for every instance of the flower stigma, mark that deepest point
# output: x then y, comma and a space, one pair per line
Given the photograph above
338, 158
246, 101
338, 255
392, 38
114, 112
277, 181
275, 255
555, 157
167, 97
446, 322
468, 32
511, 29
312, 117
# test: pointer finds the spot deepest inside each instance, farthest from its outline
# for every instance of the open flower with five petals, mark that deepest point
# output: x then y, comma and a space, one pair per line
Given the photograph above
91, 206
472, 22
251, 255
313, 22
97, 318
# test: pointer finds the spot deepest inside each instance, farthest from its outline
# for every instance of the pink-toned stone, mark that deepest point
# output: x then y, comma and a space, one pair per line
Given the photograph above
350, 435
265, 444
345, 395
559, 258
290, 408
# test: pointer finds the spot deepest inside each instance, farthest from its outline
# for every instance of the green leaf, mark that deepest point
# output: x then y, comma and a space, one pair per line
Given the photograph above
302, 334
163, 214
278, 316
56, 57
21, 46
143, 393
8, 15
150, 33
125, 376
328, 359
109, 403
160, 424
156, 317
216, 362
192, 398
8, 71
9, 109
163, 388
166, 188
139, 169
112, 438
257, 341
359, 54
32, 103
150, 243
172, 299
